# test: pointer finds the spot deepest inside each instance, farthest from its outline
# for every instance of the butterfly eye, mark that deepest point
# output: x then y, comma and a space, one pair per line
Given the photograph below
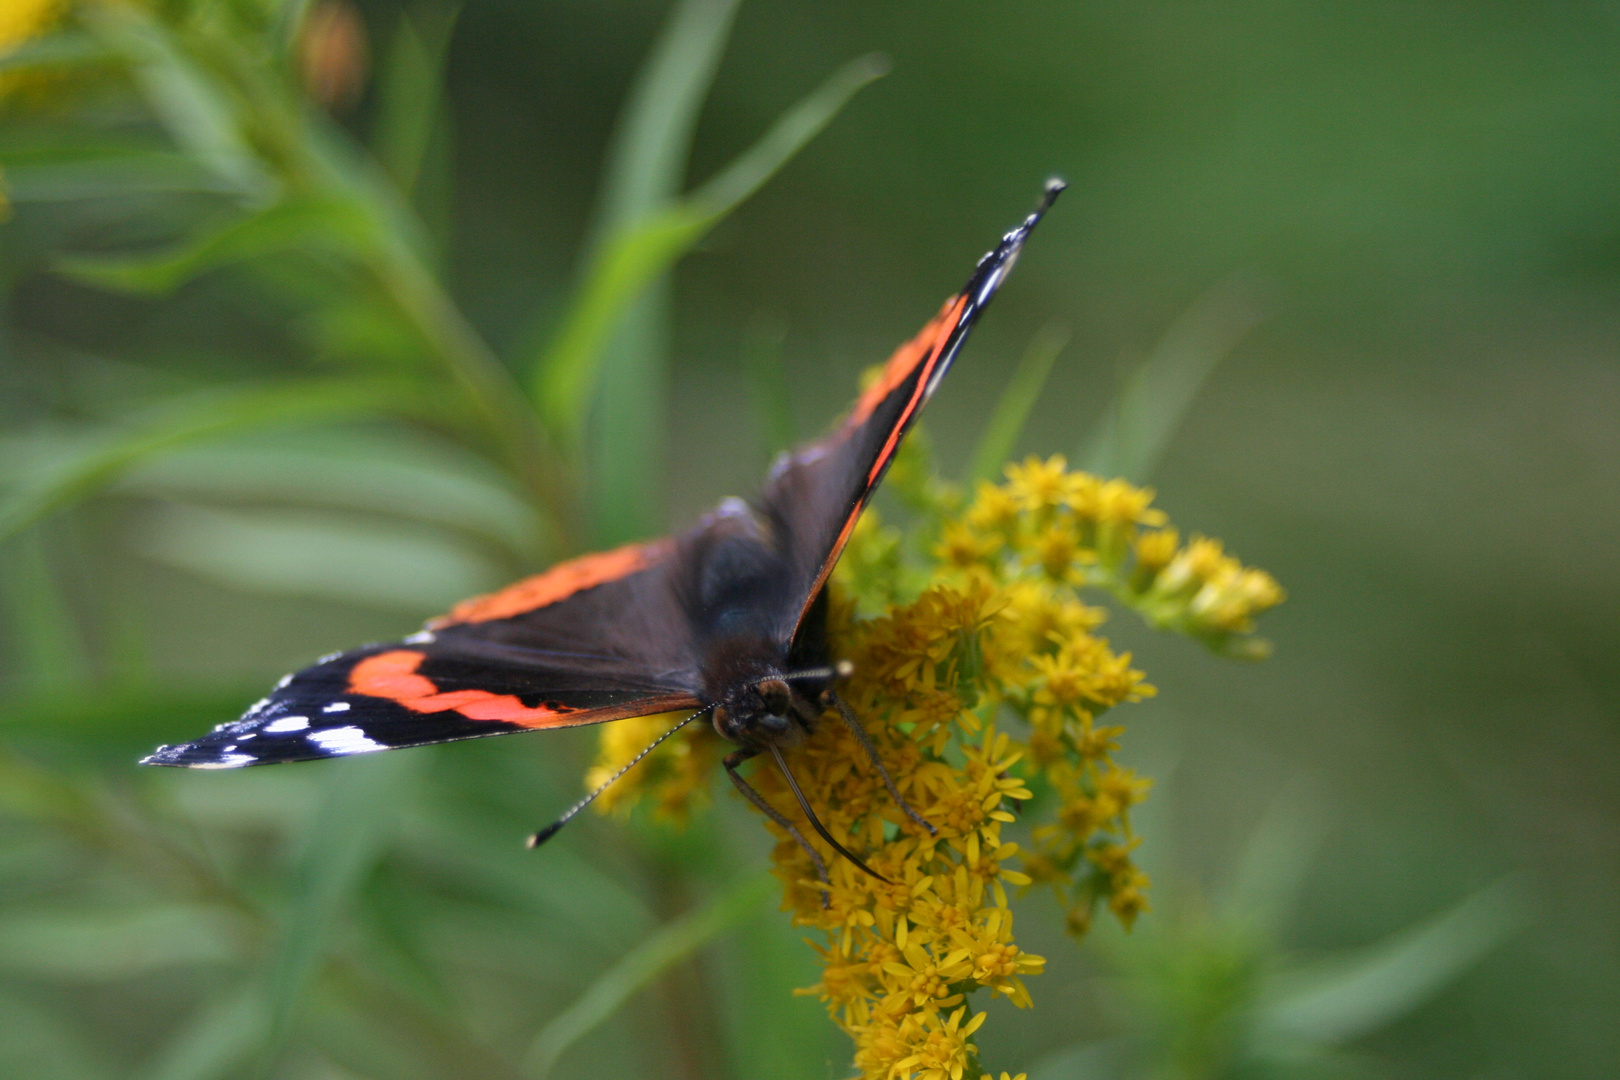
776, 695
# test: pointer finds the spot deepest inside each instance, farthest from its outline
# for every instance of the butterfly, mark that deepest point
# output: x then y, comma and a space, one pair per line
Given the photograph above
727, 618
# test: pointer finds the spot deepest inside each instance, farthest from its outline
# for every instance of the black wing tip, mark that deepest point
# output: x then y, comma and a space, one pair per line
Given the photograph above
1054, 186
997, 263
198, 755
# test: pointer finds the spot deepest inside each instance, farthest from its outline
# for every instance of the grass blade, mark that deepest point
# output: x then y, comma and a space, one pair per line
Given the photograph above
410, 99
625, 265
347, 835
321, 555
197, 112
644, 175
1153, 399
1389, 979
668, 945
301, 225
647, 163
204, 415
1012, 411
218, 1038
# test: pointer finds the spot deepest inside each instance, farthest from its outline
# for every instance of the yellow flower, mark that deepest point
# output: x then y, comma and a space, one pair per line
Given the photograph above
973, 674
22, 20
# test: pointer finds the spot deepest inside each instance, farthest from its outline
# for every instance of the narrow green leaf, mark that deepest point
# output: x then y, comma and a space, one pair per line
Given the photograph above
1273, 866
330, 225
199, 114
792, 130
101, 946
1017, 400
320, 555
52, 1044
1154, 397
667, 946
214, 1041
647, 162
47, 639
404, 473
67, 49
346, 836
191, 419
410, 91
53, 175
393, 1035
1338, 1001
633, 257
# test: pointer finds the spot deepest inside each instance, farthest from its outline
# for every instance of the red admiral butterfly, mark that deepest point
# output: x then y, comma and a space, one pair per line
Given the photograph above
727, 618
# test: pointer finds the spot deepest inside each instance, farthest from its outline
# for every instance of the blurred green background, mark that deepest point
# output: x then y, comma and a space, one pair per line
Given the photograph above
1390, 234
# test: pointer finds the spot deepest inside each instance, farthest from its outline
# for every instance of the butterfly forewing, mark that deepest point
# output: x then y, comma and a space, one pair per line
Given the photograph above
589, 640
815, 495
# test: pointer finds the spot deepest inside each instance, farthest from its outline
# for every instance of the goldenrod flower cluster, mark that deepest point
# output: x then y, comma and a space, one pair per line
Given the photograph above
22, 20
981, 683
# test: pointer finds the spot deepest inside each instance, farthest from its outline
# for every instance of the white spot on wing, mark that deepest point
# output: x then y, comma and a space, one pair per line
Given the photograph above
421, 637
285, 679
256, 708
227, 761
344, 740
329, 657
337, 706
287, 723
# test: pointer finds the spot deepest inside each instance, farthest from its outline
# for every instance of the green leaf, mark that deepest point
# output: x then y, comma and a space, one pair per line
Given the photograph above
667, 946
573, 890
61, 50
331, 225
1154, 397
46, 637
645, 170
410, 91
220, 1036
1272, 869
89, 465
406, 474
39, 1042
200, 115
1013, 409
92, 173
632, 257
319, 555
1341, 1000
101, 946
346, 836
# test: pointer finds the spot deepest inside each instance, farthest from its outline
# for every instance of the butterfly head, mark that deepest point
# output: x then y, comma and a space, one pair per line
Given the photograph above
764, 712
775, 709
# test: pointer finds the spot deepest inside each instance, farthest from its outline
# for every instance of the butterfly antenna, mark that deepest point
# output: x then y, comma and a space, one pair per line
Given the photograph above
556, 826
815, 822
841, 670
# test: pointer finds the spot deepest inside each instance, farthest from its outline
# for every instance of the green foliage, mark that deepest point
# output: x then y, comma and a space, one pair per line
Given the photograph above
1208, 991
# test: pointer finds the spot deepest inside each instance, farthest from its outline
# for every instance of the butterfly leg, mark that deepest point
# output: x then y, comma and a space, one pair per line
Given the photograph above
865, 740
736, 758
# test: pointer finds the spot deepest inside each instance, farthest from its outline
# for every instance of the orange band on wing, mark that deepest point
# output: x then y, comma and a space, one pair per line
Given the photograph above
947, 320
560, 582
392, 675
906, 358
